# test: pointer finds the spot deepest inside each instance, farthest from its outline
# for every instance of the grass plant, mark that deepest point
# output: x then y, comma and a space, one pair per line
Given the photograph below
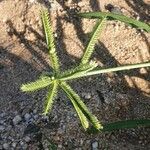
59, 79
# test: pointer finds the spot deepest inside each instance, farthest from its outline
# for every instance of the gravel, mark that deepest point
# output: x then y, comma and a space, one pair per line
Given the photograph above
14, 144
2, 128
21, 125
27, 139
6, 146
17, 120
86, 95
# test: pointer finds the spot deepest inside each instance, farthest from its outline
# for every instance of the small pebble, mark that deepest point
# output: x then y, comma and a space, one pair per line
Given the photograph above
17, 120
88, 96
27, 139
2, 128
59, 146
2, 121
2, 115
6, 146
27, 116
113, 9
21, 143
143, 71
24, 147
14, 144
31, 1
95, 145
34, 111
81, 141
35, 117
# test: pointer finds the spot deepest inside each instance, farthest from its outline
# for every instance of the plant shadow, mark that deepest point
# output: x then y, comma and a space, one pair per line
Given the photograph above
141, 8
120, 83
143, 11
102, 53
15, 69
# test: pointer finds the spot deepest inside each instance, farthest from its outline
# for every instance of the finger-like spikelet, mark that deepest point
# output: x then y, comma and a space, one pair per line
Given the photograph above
84, 113
95, 35
50, 97
38, 84
50, 40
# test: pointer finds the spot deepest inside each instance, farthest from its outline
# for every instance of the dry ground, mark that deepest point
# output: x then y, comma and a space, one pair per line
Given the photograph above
111, 97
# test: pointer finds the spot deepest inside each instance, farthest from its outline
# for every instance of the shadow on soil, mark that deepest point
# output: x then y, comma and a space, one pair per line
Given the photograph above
143, 11
102, 53
141, 8
12, 76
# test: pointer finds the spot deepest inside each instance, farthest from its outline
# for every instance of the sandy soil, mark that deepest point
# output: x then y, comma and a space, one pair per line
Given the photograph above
111, 97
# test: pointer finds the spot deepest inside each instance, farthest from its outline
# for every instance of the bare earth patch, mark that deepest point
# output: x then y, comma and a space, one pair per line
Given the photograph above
111, 97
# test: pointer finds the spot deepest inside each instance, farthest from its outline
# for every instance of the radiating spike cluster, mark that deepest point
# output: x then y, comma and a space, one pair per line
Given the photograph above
79, 70
56, 79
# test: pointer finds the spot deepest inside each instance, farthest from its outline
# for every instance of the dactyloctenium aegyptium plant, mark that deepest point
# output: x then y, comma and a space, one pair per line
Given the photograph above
58, 79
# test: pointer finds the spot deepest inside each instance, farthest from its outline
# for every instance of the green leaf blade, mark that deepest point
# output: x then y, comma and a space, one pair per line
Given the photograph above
38, 84
127, 124
113, 16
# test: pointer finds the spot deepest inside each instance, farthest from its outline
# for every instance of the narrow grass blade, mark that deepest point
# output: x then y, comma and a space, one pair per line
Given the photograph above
74, 97
127, 124
50, 40
50, 97
107, 70
113, 16
38, 84
95, 35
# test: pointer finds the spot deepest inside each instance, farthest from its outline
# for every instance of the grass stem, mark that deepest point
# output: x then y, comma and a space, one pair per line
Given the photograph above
107, 70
